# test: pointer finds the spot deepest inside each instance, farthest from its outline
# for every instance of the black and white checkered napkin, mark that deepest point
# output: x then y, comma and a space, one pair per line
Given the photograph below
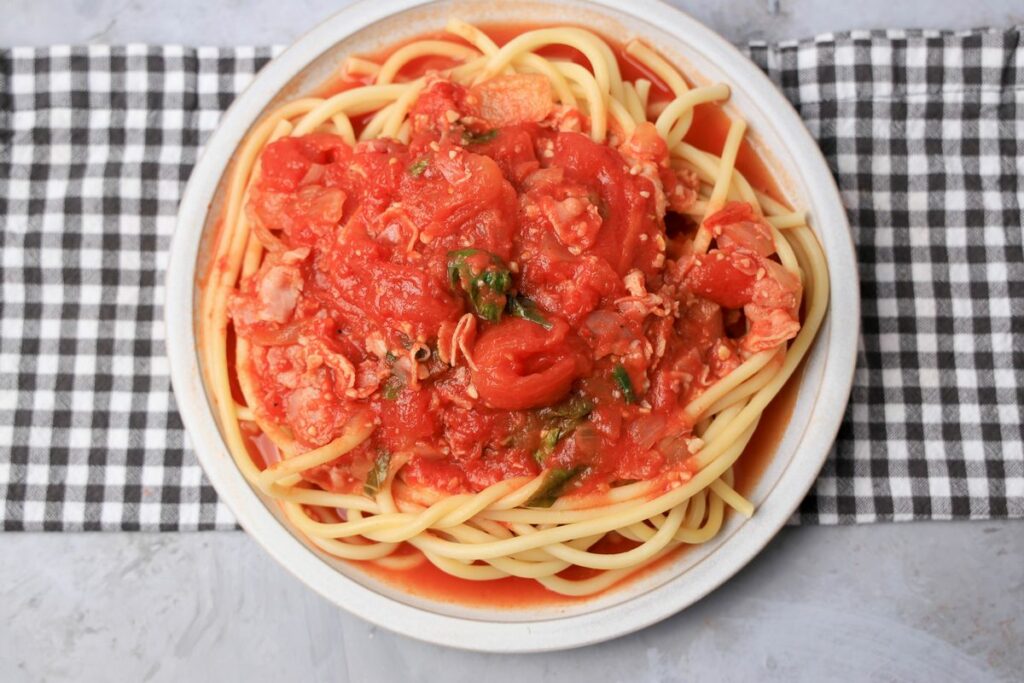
924, 131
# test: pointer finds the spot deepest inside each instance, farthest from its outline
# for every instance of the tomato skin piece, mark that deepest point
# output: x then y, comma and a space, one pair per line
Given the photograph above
732, 212
429, 115
462, 196
521, 365
407, 418
303, 215
513, 150
622, 205
573, 287
400, 295
389, 294
467, 430
284, 165
718, 278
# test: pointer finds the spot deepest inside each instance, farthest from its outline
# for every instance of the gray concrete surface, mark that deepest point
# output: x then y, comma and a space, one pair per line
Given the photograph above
922, 602
264, 22
928, 602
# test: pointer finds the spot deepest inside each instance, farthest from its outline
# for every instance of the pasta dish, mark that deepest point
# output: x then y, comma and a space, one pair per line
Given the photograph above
488, 303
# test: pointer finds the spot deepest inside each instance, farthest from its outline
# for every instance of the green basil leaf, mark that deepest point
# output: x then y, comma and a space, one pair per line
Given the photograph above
523, 307
622, 379
469, 138
553, 486
548, 440
485, 288
489, 312
417, 169
560, 421
378, 474
393, 386
573, 409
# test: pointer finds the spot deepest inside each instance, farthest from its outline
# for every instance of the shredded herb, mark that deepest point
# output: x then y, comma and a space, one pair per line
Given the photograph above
574, 408
621, 378
553, 486
560, 421
483, 277
469, 138
378, 474
523, 307
549, 438
393, 386
418, 168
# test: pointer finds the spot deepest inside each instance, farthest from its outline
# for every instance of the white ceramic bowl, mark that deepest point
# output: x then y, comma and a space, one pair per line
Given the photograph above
803, 175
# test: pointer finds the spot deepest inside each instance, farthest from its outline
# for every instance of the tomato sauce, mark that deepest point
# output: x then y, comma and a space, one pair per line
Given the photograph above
502, 296
512, 592
710, 121
428, 581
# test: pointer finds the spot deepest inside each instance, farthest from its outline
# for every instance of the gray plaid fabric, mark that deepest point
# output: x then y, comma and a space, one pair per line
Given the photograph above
922, 130
96, 144
925, 134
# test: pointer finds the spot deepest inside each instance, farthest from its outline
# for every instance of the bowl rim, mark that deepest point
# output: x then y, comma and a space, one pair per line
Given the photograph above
474, 634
